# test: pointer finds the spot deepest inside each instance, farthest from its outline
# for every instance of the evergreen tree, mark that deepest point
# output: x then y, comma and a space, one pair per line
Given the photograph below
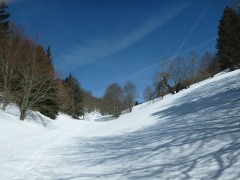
4, 22
76, 96
49, 56
228, 43
50, 106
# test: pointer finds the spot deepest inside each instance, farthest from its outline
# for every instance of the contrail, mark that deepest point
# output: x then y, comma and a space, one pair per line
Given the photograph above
168, 59
192, 29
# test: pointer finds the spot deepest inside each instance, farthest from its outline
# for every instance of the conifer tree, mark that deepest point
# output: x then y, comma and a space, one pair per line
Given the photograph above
228, 43
50, 106
4, 22
75, 108
49, 56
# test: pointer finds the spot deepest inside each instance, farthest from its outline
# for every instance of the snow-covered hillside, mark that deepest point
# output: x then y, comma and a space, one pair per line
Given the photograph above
194, 134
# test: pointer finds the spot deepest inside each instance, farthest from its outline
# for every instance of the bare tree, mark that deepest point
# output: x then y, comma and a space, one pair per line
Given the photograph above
192, 67
203, 66
148, 94
10, 46
130, 93
162, 81
91, 103
113, 99
178, 73
34, 80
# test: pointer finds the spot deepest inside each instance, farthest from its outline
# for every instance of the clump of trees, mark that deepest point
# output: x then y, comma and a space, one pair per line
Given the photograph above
180, 73
117, 99
28, 78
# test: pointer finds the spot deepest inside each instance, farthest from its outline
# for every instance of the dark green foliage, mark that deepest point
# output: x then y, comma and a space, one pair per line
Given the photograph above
228, 44
75, 108
49, 57
50, 106
4, 22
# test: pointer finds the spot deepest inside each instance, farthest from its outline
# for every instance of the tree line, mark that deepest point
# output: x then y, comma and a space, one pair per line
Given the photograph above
181, 72
28, 79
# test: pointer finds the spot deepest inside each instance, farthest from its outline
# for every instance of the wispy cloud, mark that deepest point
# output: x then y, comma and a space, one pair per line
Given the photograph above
94, 50
192, 29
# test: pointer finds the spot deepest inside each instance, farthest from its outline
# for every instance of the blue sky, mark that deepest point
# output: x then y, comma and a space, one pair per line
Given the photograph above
105, 41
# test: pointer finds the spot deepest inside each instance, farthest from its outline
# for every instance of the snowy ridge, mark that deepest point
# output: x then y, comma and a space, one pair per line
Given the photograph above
194, 134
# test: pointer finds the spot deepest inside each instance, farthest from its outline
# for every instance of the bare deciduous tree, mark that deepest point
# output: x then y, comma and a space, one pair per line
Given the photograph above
10, 46
113, 99
192, 67
33, 82
148, 94
178, 73
130, 93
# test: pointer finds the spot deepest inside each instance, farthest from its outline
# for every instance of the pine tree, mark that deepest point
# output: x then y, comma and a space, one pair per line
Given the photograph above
50, 106
49, 56
228, 44
75, 108
4, 22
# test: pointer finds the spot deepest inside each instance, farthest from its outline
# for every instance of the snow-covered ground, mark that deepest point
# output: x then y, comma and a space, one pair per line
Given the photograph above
194, 134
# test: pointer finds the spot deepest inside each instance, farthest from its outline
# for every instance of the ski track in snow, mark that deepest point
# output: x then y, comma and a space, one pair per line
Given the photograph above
194, 134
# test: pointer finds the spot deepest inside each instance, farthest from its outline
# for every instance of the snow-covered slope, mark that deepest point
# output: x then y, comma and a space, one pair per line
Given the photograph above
194, 134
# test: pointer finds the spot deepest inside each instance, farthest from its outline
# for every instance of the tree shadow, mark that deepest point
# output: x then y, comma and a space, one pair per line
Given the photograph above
105, 119
196, 138
39, 119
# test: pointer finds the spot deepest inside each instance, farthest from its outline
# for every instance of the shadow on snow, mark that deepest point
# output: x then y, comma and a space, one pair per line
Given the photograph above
198, 138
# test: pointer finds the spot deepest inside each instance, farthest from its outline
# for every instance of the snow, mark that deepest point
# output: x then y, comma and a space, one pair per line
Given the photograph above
194, 134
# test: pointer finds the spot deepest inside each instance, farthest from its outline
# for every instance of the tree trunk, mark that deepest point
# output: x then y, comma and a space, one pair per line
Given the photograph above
4, 105
23, 114
5, 101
